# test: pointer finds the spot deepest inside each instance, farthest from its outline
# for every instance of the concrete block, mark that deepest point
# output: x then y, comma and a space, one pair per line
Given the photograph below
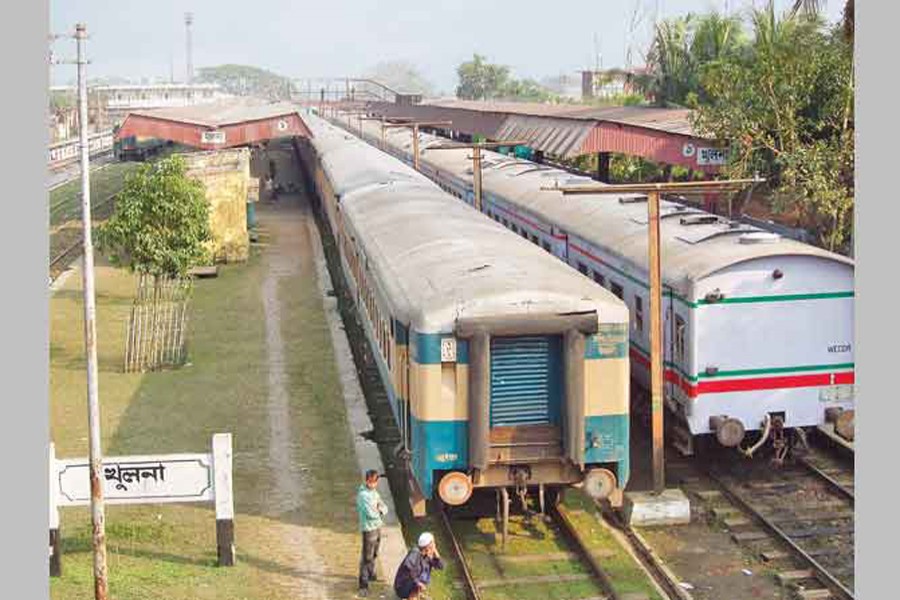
671, 507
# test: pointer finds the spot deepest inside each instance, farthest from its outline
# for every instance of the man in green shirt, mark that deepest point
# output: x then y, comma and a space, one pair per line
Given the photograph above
371, 511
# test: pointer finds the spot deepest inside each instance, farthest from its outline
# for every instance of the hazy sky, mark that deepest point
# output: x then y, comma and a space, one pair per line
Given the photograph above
141, 38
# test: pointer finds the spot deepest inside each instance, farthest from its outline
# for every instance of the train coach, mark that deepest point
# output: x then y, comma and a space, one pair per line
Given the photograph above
758, 328
505, 370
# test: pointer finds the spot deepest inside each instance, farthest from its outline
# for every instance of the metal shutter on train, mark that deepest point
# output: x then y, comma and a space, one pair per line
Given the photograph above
525, 380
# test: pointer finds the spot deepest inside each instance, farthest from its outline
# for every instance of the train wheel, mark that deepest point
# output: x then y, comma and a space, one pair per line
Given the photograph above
599, 483
455, 488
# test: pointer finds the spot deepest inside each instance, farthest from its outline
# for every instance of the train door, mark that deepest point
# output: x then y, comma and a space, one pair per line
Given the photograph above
526, 389
668, 343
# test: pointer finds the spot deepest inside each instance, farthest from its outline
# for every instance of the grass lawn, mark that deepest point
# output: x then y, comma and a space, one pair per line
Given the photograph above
168, 551
534, 548
624, 573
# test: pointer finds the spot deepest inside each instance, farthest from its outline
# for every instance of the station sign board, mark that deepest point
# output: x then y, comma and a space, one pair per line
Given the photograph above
212, 137
711, 156
134, 479
149, 479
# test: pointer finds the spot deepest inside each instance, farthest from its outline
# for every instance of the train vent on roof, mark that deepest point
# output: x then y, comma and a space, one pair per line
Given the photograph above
535, 169
632, 199
700, 220
759, 237
514, 162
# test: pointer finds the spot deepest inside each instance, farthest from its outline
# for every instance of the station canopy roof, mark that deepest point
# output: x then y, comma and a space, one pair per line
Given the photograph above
664, 135
222, 124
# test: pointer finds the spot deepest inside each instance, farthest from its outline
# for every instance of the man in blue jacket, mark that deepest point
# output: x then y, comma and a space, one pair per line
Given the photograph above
371, 511
414, 573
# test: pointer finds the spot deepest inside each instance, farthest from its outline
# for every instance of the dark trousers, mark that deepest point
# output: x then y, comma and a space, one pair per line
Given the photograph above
370, 542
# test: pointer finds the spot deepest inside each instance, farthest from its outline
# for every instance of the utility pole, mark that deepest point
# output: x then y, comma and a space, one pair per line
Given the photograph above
476, 161
653, 191
414, 125
188, 21
382, 120
98, 520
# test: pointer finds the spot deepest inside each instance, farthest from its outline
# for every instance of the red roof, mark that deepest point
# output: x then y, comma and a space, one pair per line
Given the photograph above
216, 125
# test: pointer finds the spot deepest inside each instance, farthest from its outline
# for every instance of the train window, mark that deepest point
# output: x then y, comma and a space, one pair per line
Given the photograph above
534, 238
680, 327
514, 228
546, 246
617, 290
638, 313
582, 268
599, 278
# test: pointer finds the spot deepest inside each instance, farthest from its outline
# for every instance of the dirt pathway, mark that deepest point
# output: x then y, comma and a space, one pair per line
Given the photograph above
287, 256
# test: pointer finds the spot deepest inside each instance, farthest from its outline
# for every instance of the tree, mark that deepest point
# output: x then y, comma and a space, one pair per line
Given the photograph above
681, 50
401, 76
244, 80
160, 225
786, 107
480, 80
159, 228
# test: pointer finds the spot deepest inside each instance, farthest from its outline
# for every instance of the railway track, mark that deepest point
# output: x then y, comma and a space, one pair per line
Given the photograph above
64, 257
563, 566
798, 517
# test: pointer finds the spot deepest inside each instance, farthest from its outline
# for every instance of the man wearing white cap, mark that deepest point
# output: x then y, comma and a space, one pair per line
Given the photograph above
414, 573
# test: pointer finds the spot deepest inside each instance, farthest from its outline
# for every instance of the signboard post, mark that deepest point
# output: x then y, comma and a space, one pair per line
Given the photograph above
150, 479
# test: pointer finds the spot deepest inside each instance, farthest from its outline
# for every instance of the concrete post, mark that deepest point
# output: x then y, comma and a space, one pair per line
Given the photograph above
90, 334
222, 458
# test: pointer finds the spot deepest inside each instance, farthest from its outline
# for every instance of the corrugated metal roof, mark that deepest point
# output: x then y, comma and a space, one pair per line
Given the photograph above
553, 136
217, 114
670, 120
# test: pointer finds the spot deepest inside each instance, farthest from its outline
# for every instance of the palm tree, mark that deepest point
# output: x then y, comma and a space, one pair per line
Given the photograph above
813, 8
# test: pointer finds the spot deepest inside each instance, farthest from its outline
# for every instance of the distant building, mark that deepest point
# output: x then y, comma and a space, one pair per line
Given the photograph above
108, 104
118, 100
565, 86
609, 83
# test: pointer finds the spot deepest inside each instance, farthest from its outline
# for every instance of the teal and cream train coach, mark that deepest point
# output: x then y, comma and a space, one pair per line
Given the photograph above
505, 369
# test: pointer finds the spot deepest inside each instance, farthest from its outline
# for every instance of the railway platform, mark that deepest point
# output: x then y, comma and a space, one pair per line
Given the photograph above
269, 363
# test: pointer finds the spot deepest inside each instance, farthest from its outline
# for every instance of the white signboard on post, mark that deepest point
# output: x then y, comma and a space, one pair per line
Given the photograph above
149, 479
212, 137
133, 479
711, 156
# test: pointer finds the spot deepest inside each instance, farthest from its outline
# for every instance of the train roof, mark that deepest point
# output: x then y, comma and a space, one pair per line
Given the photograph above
436, 258
694, 243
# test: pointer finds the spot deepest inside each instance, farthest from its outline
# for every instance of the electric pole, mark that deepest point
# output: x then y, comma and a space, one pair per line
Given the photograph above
188, 21
90, 332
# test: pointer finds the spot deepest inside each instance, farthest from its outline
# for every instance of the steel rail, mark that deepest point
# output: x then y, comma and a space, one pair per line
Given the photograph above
75, 245
471, 588
663, 577
827, 579
559, 516
833, 484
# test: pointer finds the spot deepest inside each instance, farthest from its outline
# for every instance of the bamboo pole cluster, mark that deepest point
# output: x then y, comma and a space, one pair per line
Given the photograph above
155, 338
